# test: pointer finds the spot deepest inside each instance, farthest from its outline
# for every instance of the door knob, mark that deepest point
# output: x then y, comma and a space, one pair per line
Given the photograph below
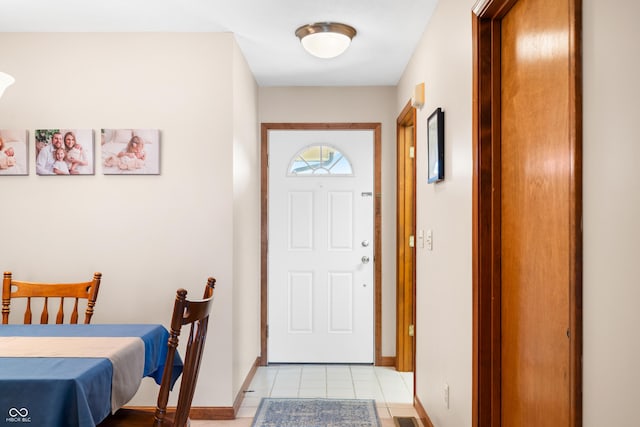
365, 243
365, 259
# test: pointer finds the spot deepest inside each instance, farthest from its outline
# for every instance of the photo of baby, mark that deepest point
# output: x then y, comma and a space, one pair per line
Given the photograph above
13, 152
130, 151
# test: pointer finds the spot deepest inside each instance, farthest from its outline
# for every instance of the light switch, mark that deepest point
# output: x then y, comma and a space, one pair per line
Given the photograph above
429, 240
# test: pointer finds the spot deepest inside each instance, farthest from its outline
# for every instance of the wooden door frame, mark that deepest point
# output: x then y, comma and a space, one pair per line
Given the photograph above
405, 295
486, 382
264, 224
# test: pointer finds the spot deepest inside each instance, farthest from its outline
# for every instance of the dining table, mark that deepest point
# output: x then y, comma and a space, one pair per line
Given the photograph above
76, 375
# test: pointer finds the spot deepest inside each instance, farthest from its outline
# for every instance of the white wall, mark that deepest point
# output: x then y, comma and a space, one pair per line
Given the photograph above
246, 223
611, 203
443, 354
351, 105
148, 235
611, 206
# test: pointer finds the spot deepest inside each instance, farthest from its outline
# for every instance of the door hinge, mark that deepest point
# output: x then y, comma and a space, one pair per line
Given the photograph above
411, 330
412, 241
412, 152
267, 331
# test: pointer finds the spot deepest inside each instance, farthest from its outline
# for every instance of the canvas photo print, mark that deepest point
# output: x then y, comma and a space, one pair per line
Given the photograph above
130, 151
13, 152
64, 152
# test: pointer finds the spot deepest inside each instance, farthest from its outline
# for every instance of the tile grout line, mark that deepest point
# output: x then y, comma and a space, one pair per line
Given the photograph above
353, 382
273, 382
375, 373
326, 381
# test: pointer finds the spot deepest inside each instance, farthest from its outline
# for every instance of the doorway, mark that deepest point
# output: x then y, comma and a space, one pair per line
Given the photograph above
405, 239
527, 198
320, 248
371, 244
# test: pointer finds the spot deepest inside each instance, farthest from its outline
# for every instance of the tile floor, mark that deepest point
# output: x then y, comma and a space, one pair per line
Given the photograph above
392, 390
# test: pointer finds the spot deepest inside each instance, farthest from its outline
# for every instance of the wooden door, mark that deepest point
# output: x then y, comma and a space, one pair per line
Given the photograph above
405, 240
535, 169
527, 239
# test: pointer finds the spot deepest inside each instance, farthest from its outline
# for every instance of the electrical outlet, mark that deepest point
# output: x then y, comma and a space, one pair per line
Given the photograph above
446, 395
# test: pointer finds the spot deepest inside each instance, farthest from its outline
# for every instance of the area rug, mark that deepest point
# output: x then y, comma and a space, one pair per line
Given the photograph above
281, 412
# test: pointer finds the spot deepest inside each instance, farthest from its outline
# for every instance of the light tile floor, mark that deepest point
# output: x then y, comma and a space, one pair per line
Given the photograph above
392, 391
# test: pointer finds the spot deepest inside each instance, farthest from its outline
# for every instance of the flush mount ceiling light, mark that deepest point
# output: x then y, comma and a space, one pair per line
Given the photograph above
5, 81
325, 39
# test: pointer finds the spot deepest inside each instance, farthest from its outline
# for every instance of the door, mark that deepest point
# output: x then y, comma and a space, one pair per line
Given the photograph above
405, 238
535, 215
527, 198
321, 263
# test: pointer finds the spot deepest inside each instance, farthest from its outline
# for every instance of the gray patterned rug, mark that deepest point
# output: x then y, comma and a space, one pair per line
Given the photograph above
276, 412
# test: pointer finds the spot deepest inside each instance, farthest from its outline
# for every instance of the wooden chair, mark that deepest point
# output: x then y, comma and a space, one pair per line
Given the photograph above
12, 289
195, 313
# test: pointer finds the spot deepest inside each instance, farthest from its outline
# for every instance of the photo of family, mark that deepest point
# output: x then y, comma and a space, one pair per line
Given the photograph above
13, 152
130, 151
64, 152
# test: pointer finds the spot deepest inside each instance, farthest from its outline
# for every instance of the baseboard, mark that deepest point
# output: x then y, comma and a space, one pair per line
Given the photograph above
196, 412
386, 361
245, 386
212, 413
422, 413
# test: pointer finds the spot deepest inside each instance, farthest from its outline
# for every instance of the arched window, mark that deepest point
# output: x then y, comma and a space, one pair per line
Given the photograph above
320, 160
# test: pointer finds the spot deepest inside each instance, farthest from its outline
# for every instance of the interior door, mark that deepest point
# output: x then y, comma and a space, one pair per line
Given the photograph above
405, 238
527, 212
535, 215
320, 264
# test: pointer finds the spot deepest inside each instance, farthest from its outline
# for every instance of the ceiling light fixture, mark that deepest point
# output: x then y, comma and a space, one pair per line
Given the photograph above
325, 39
5, 81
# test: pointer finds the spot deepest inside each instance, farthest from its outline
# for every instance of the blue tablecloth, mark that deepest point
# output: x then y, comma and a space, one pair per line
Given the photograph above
74, 392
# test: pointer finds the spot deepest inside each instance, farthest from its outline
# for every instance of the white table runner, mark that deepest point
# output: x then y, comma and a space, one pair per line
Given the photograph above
125, 353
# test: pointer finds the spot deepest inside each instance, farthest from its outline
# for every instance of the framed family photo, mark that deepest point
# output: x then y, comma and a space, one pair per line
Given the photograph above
130, 151
13, 152
64, 152
435, 144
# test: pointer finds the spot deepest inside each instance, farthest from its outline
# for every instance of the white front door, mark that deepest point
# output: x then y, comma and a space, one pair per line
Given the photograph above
321, 281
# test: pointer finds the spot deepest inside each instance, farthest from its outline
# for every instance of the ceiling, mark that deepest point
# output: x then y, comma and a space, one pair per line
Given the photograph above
388, 31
